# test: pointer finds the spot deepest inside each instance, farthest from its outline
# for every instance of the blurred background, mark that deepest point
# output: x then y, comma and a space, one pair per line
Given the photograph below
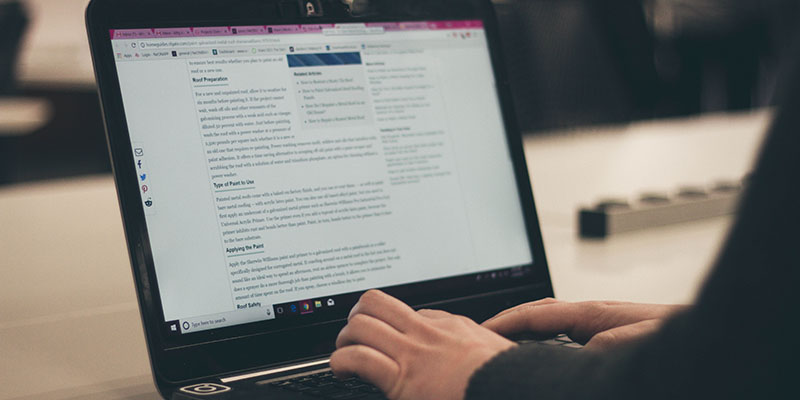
573, 63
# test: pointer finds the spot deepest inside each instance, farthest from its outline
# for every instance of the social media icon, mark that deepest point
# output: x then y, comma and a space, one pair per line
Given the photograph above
148, 202
145, 188
143, 177
139, 152
331, 303
139, 163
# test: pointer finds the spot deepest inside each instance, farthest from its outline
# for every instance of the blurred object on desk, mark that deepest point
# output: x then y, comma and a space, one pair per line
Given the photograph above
689, 203
570, 168
55, 52
70, 142
22, 116
12, 25
55, 68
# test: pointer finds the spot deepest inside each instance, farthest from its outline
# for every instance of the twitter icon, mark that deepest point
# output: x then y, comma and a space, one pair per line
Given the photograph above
143, 176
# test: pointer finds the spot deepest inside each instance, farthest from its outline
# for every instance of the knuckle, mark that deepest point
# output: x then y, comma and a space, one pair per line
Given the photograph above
342, 337
358, 320
464, 320
369, 296
593, 308
523, 309
603, 339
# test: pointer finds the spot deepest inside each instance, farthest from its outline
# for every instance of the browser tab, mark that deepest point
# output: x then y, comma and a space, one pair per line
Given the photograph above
353, 29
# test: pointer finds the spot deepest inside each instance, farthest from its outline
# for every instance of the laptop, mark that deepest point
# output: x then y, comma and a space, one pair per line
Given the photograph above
274, 159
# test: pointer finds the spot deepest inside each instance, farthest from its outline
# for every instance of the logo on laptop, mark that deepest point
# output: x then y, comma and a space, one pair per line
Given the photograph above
311, 8
205, 389
173, 327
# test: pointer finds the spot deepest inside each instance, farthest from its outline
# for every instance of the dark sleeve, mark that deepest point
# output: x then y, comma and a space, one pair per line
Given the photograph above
738, 341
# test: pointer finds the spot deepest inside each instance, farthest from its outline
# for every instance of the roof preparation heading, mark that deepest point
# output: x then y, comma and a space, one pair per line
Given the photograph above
122, 34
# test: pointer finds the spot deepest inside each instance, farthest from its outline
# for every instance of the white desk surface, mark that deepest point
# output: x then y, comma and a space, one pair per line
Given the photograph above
69, 325
22, 116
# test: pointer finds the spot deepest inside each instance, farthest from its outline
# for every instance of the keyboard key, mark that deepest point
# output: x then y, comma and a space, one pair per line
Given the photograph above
551, 342
347, 395
322, 392
369, 389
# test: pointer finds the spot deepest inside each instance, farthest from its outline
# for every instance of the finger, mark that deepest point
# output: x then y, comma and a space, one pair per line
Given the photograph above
548, 300
623, 334
434, 314
581, 321
385, 308
369, 331
367, 363
542, 319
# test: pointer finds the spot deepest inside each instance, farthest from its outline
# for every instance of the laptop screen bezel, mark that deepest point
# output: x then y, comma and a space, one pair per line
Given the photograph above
183, 360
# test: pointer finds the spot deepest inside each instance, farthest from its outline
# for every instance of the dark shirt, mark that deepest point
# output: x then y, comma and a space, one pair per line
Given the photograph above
737, 342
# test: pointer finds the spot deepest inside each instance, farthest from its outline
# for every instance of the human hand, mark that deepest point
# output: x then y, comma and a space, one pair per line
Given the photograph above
597, 324
428, 354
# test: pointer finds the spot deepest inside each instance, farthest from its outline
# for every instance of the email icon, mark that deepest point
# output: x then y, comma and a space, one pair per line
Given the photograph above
139, 152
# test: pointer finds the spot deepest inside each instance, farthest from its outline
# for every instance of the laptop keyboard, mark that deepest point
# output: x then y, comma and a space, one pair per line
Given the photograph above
324, 385
560, 340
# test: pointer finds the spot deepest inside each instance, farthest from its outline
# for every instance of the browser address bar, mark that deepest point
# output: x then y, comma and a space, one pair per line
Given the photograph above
162, 43
345, 30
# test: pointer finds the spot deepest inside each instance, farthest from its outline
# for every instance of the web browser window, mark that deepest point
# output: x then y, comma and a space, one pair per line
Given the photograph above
281, 163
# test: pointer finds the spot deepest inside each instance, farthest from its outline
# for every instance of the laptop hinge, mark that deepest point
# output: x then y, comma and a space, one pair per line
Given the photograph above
273, 371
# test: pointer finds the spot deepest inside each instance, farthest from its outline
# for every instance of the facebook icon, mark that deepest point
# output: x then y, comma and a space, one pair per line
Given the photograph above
139, 163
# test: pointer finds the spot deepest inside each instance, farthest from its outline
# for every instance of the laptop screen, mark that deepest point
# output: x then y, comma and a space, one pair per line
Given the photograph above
281, 167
